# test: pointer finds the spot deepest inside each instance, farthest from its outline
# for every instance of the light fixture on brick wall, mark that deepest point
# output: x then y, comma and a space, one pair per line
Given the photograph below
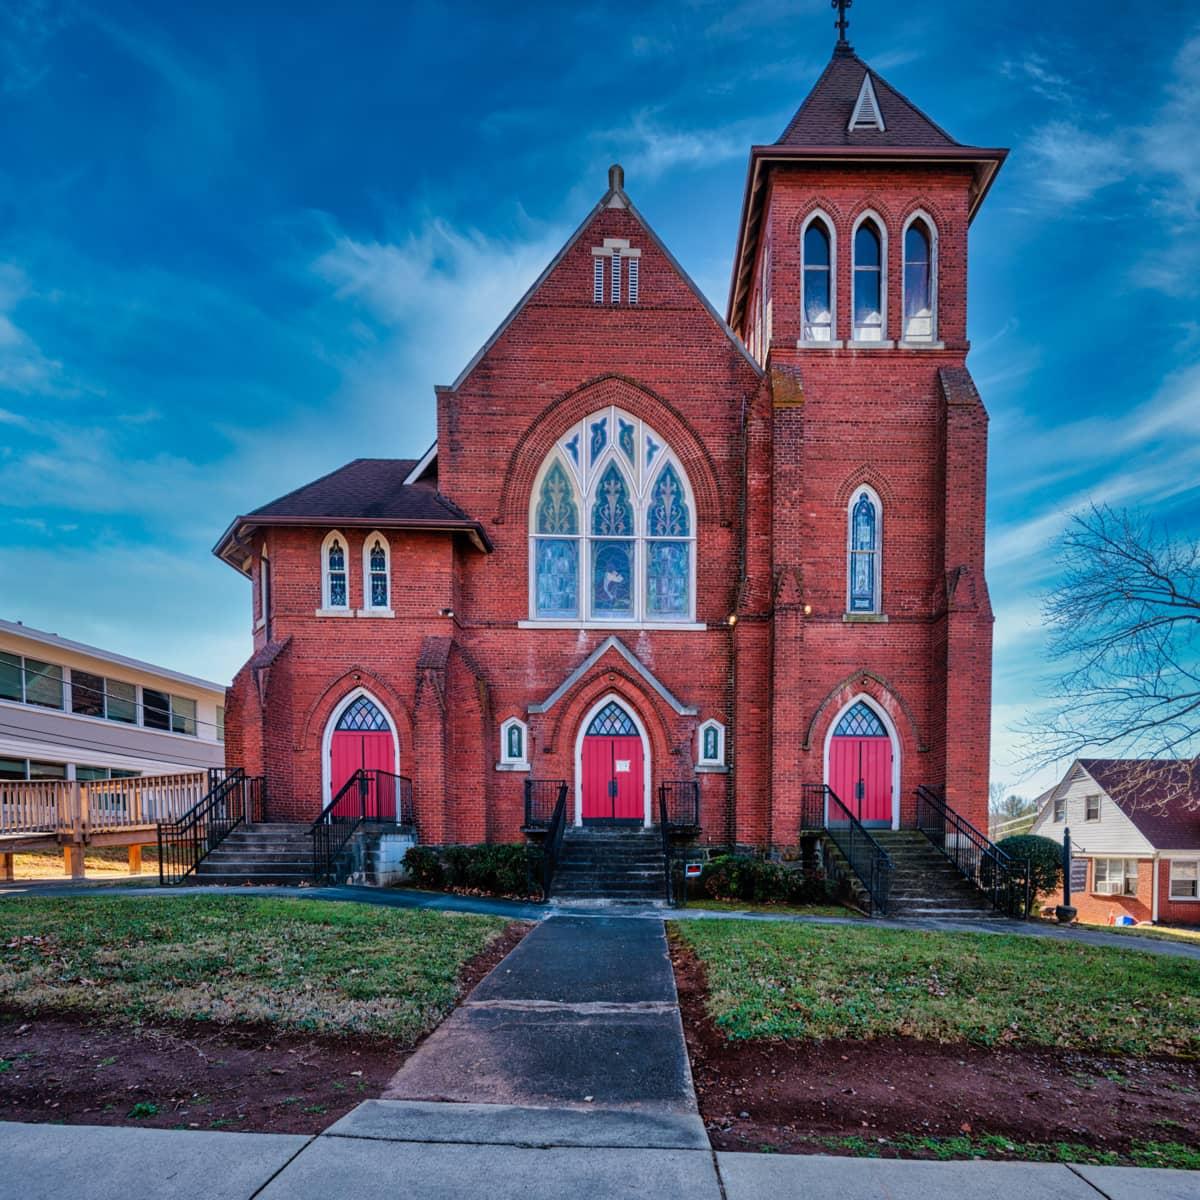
448, 612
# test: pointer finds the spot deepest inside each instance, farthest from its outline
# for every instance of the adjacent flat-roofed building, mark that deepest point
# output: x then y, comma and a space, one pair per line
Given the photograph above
72, 711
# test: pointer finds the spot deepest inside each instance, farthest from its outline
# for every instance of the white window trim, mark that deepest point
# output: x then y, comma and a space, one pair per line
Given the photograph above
507, 763
327, 609
640, 479
1121, 893
831, 230
368, 609
888, 724
1173, 899
877, 602
931, 227
1099, 808
711, 764
881, 342
648, 765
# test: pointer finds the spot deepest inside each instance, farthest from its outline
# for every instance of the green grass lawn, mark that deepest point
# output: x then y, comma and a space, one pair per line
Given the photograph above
1159, 933
292, 964
809, 981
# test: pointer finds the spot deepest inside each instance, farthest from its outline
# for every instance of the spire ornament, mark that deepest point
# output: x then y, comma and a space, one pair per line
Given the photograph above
841, 24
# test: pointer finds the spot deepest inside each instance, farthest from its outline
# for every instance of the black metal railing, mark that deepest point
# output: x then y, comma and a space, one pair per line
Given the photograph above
233, 798
679, 804
1004, 880
380, 797
541, 797
556, 827
869, 861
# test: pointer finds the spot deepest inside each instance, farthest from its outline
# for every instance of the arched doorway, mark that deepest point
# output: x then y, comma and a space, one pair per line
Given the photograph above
862, 764
612, 767
361, 736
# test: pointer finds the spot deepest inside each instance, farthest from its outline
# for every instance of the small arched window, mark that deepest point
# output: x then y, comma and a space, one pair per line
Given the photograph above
817, 272
869, 295
918, 282
712, 745
335, 577
377, 575
864, 542
514, 753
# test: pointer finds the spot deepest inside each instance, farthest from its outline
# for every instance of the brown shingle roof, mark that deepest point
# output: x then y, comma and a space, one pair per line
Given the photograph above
824, 117
1161, 797
367, 491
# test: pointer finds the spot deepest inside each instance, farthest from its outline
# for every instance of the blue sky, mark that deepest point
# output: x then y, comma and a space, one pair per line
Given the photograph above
239, 244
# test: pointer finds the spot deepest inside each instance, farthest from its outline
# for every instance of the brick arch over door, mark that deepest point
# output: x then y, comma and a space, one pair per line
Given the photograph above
317, 717
878, 689
557, 417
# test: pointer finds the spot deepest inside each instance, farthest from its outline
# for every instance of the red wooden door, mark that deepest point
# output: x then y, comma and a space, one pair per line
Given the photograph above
613, 779
352, 750
860, 773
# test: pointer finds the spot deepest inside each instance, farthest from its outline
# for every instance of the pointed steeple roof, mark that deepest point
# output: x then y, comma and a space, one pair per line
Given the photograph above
826, 118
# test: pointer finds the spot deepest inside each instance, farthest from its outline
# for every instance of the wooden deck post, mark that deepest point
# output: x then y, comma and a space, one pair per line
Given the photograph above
135, 860
73, 861
6, 867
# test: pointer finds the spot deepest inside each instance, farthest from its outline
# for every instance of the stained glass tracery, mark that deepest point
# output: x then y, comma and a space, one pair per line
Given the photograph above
864, 555
861, 721
363, 716
612, 721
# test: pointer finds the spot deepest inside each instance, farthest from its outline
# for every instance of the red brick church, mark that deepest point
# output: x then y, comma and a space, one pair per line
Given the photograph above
657, 547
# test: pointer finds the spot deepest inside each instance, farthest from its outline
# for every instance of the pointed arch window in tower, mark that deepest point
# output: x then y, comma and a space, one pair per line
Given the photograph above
864, 590
868, 283
918, 283
817, 270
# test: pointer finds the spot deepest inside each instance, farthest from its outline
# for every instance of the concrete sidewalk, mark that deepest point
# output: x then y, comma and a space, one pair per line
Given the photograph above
394, 1150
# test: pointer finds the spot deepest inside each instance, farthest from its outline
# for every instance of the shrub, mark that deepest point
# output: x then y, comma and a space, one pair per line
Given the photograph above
1044, 854
758, 881
499, 870
425, 866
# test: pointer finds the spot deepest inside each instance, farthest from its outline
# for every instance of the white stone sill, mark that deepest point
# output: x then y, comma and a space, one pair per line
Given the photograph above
513, 766
375, 612
334, 612
612, 626
864, 619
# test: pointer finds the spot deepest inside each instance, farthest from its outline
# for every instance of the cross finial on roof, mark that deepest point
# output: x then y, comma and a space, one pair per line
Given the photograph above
841, 24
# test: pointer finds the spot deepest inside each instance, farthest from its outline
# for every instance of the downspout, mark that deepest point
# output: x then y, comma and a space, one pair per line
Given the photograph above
1154, 891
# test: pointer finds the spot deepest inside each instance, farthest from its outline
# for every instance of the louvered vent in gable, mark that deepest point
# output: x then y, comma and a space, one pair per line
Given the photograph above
867, 113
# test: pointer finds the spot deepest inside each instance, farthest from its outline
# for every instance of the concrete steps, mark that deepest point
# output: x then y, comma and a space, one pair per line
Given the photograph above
260, 854
926, 885
610, 864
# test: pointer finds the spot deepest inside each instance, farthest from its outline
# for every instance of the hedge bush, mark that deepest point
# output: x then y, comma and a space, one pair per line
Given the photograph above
1044, 854
498, 870
759, 881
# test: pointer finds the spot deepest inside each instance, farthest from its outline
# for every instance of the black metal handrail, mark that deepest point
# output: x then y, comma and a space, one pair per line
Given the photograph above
866, 857
1003, 879
552, 844
541, 798
679, 803
380, 797
233, 798
664, 829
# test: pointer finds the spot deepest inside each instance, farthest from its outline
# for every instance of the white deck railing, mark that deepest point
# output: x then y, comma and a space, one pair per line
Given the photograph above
59, 806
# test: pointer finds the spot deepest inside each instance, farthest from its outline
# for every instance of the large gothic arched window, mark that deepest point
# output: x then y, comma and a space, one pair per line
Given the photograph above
612, 527
865, 584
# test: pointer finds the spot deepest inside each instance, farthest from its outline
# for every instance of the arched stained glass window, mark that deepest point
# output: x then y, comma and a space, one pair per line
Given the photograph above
623, 521
918, 283
860, 721
864, 553
363, 716
557, 556
818, 282
612, 721
377, 573
868, 283
336, 590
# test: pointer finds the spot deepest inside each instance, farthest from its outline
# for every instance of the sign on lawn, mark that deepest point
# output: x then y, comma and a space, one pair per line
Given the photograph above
1079, 874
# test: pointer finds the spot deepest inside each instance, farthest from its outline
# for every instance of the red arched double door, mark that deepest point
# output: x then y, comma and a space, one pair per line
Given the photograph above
363, 739
614, 768
860, 766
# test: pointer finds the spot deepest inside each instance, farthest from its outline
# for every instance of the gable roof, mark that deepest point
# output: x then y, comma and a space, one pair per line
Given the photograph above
365, 492
826, 116
615, 197
1160, 796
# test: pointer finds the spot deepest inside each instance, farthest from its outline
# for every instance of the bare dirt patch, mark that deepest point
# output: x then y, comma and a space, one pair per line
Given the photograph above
67, 1068
855, 1097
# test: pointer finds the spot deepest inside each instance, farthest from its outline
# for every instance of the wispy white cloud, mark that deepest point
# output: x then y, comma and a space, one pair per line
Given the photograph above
1034, 70
24, 369
650, 148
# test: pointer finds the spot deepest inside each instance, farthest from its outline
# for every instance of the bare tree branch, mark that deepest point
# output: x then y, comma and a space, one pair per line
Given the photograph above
1124, 637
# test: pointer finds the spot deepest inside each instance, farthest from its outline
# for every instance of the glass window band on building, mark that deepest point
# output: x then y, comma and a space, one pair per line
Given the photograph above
612, 527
